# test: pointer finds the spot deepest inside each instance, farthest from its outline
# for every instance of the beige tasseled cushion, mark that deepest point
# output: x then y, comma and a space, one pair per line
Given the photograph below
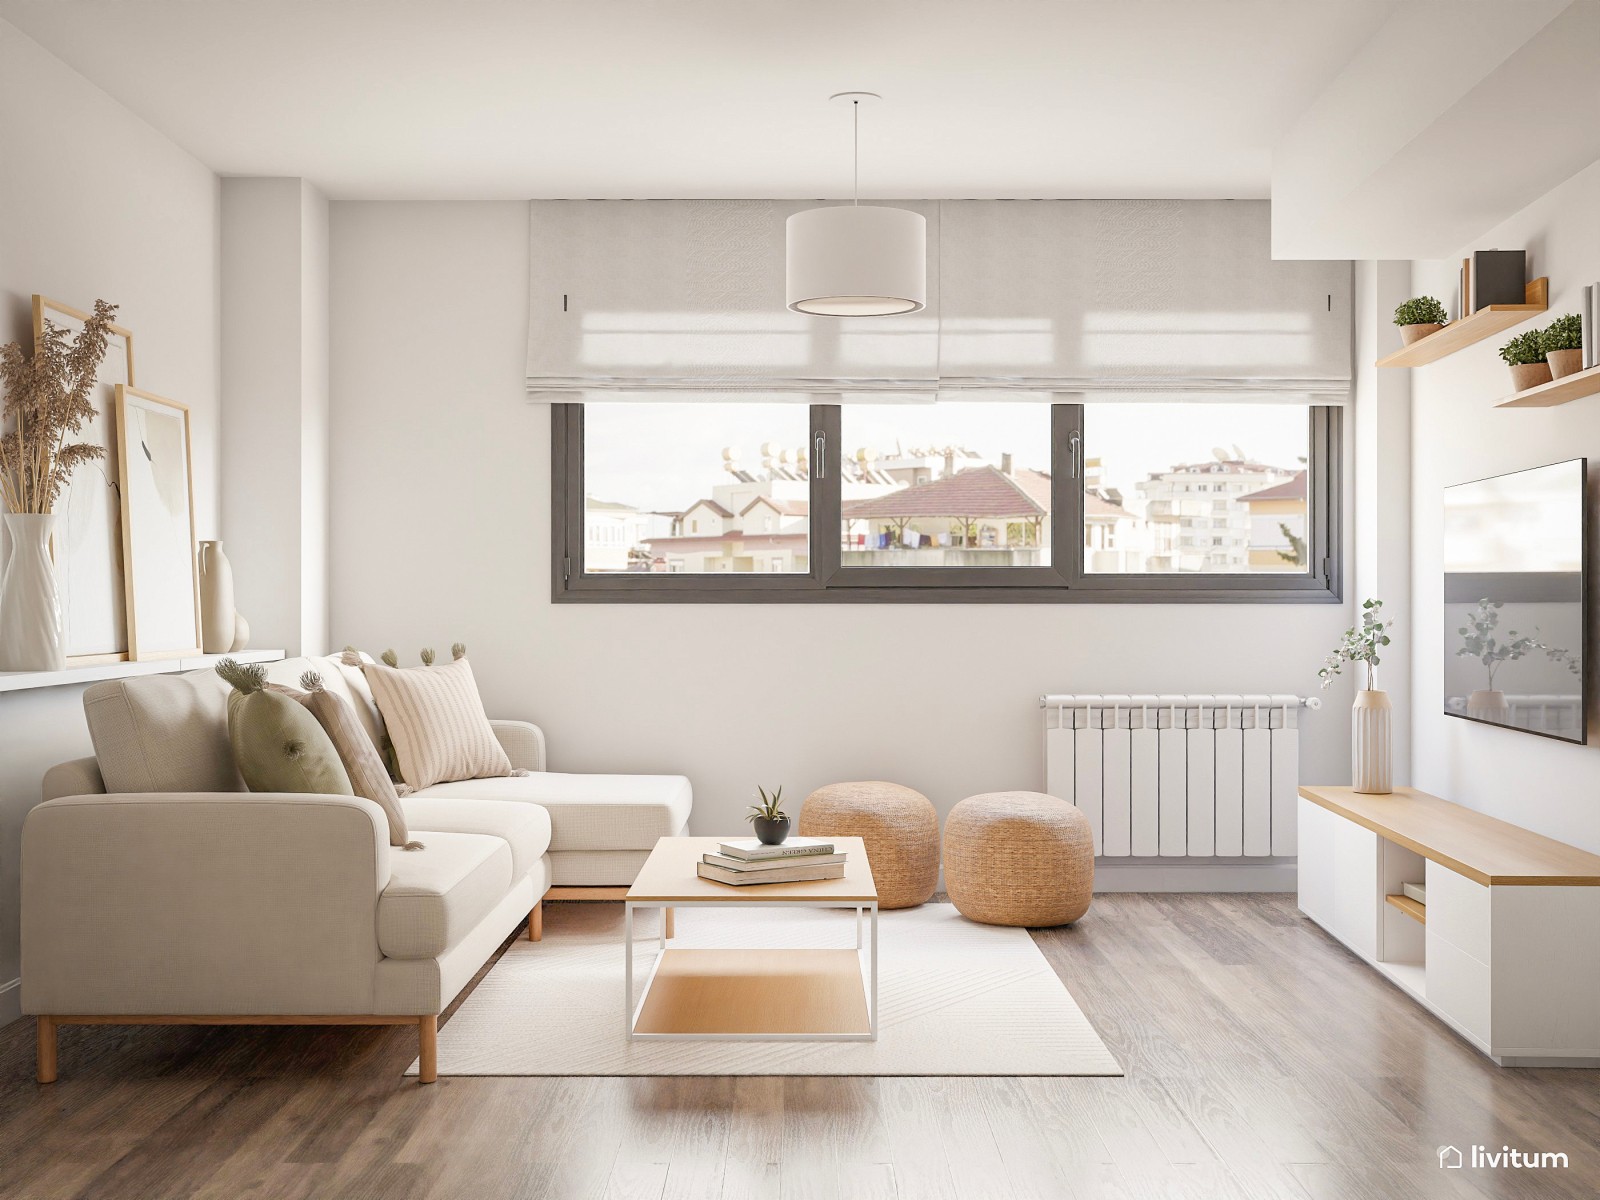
899, 826
1018, 858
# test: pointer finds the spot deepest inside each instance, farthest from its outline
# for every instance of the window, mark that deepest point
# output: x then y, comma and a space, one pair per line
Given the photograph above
669, 492
977, 501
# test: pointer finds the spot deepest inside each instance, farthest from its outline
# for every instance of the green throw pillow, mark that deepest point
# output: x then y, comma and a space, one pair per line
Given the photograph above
277, 744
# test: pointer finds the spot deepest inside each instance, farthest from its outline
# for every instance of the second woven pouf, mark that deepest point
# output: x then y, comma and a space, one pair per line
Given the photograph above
899, 826
1018, 858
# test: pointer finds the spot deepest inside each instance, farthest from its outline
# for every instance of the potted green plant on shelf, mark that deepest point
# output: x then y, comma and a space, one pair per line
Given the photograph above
1524, 354
1479, 641
1562, 341
1418, 318
770, 821
1372, 717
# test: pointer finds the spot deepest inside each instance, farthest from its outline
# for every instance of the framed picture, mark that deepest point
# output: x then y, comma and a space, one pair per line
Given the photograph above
88, 544
160, 572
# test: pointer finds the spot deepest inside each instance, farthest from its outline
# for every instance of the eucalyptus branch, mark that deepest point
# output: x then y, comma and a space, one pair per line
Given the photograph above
1361, 643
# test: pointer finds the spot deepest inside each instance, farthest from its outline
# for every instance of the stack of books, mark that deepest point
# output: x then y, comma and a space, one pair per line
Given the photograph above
748, 861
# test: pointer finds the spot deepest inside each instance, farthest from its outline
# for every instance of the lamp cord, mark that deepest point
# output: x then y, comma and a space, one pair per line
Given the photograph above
855, 149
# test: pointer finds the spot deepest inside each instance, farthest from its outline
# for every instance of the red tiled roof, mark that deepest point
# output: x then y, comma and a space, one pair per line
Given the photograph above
1289, 489
711, 504
787, 508
1099, 506
977, 492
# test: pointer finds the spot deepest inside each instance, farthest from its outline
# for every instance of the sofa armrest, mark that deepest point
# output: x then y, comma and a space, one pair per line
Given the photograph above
202, 903
80, 777
523, 743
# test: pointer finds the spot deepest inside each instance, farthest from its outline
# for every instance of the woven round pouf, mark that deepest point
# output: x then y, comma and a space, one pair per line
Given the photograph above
1018, 858
899, 826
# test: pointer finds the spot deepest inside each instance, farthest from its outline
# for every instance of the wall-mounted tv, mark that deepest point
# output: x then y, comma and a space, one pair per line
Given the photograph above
1515, 600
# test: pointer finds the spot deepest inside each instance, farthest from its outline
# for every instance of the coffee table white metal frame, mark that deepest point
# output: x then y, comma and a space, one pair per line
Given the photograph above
771, 896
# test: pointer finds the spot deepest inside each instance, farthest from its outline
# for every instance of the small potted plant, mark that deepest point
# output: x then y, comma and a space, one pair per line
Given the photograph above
1479, 641
1524, 354
1418, 318
1562, 341
1372, 718
770, 821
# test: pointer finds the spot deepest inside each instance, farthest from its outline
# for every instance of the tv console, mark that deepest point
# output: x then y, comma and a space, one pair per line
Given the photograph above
1506, 950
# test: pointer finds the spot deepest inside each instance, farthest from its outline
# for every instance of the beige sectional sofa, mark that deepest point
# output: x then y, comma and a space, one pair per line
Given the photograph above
156, 890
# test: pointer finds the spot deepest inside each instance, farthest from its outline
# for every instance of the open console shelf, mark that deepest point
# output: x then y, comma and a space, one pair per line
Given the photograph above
1507, 949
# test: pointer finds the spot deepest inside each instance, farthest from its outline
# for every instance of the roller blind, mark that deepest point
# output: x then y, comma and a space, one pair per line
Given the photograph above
1049, 300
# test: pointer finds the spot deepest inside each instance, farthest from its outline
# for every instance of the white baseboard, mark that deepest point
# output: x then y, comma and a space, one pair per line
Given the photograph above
10, 1001
1195, 875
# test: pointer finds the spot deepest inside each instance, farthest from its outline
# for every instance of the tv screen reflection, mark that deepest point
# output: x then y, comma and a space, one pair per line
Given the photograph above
1514, 600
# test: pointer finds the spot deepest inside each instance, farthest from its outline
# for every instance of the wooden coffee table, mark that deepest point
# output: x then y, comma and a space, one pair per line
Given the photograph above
765, 995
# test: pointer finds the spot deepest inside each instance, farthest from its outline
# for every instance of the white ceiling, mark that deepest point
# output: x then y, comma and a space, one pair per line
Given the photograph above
603, 98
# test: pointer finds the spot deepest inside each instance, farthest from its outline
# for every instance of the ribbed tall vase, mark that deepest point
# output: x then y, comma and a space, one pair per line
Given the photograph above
1372, 743
32, 632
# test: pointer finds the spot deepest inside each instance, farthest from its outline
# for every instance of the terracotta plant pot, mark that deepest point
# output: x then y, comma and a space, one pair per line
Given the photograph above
1564, 362
1415, 333
1529, 375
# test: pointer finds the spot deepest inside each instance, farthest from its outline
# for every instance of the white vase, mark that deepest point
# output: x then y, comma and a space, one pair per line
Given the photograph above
1372, 743
241, 633
1489, 704
216, 599
32, 632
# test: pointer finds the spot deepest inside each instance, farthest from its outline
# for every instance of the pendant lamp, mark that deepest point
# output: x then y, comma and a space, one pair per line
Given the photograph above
856, 260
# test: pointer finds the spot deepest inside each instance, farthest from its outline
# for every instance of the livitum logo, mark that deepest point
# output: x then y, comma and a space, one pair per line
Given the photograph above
1484, 1157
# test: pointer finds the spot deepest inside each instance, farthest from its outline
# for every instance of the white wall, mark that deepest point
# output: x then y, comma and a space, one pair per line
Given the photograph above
1458, 435
94, 203
275, 380
1382, 485
441, 515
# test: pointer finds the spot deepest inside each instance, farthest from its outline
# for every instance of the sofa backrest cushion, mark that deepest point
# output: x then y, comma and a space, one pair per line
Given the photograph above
169, 733
162, 733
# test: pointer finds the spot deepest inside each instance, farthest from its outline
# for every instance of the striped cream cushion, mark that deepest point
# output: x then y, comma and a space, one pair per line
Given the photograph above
436, 720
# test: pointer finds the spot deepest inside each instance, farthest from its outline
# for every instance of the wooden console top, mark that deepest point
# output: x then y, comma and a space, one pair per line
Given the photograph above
1484, 849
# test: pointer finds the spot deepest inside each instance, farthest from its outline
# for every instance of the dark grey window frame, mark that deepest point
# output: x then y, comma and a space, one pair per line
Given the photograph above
1064, 582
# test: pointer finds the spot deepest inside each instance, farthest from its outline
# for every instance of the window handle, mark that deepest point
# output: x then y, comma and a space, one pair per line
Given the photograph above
821, 441
1077, 455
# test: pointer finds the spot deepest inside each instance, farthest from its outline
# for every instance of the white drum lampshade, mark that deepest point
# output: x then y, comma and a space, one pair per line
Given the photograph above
857, 261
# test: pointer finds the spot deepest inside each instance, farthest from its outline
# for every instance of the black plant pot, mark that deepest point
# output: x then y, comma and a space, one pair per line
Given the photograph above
772, 831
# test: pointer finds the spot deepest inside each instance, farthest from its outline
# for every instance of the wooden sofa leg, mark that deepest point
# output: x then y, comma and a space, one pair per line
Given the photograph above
536, 923
427, 1049
47, 1049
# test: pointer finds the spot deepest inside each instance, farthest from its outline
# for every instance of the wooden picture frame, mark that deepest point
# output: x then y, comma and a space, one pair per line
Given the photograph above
160, 570
88, 542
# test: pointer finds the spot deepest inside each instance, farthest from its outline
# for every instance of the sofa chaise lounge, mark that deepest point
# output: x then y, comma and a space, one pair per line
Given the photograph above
155, 890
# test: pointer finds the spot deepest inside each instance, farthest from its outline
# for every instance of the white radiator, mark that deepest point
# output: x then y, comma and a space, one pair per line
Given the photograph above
1178, 776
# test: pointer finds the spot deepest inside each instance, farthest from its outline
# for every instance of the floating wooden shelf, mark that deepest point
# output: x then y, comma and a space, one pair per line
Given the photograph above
1558, 391
1486, 322
1417, 912
19, 681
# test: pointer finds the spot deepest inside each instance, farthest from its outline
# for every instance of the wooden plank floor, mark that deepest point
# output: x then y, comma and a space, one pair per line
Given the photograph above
1263, 1061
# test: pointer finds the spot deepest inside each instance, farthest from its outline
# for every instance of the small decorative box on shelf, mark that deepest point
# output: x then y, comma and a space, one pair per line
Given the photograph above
1458, 335
1558, 391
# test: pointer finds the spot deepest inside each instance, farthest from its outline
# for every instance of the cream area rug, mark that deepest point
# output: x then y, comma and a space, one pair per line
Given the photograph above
957, 998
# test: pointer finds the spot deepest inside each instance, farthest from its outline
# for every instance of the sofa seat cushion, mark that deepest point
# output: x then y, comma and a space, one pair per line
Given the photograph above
523, 827
590, 812
438, 895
